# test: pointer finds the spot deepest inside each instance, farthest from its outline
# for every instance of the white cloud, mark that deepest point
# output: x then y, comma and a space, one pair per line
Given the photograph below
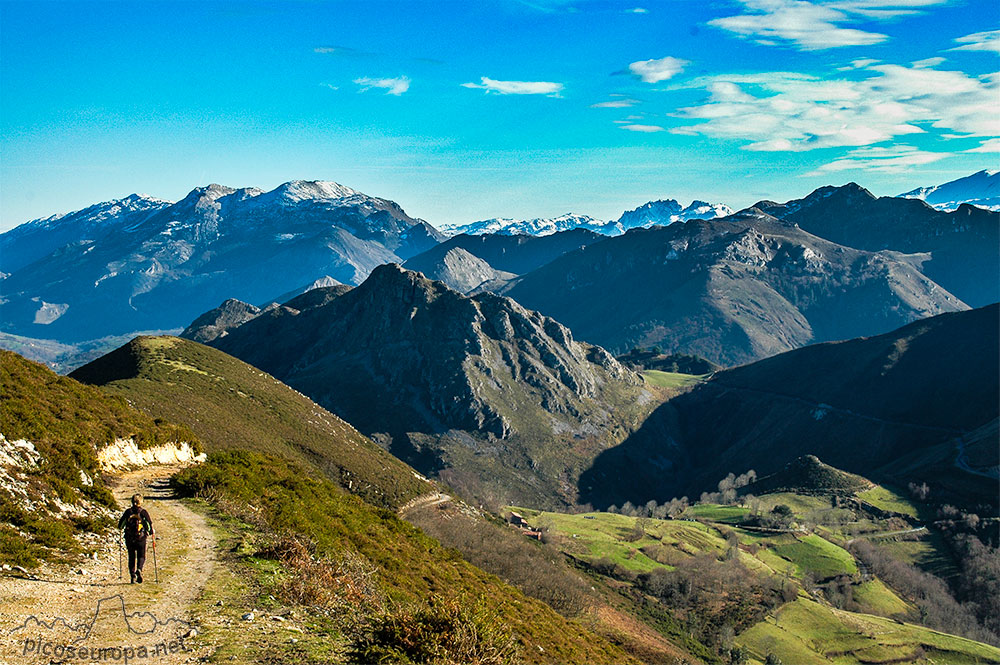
979, 41
517, 87
883, 160
809, 26
788, 111
989, 146
646, 129
637, 10
654, 71
395, 86
815, 25
927, 62
615, 104
330, 86
325, 49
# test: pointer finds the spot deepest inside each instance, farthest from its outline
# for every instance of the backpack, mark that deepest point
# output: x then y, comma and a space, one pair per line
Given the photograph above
133, 525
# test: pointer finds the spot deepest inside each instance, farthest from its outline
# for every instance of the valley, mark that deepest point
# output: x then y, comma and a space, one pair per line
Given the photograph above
412, 448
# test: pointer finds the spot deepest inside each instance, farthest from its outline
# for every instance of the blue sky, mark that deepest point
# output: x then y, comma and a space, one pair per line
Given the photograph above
462, 111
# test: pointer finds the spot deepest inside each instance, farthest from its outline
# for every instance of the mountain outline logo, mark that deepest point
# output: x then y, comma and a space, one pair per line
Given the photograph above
84, 629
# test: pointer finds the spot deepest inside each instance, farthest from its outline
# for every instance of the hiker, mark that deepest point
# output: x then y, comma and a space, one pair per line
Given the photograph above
137, 526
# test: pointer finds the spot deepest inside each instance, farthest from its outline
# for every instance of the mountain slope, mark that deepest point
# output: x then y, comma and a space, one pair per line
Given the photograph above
516, 254
159, 269
980, 189
231, 405
497, 400
730, 290
961, 245
897, 406
286, 470
38, 238
52, 485
457, 268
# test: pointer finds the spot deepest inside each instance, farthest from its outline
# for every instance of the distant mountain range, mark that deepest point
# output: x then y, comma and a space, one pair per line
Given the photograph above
731, 290
958, 250
661, 212
499, 401
915, 404
980, 189
832, 265
141, 264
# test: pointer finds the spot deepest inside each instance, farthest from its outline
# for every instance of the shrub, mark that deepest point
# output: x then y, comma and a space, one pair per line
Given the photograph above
442, 632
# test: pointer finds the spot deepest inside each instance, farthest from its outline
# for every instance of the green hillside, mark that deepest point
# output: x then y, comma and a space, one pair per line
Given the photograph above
272, 448
792, 591
231, 405
385, 592
65, 424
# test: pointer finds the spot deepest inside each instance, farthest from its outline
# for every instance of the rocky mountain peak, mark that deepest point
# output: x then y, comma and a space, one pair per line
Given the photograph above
296, 191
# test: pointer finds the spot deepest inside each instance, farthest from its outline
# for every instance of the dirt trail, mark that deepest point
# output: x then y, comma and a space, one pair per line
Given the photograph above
99, 610
422, 501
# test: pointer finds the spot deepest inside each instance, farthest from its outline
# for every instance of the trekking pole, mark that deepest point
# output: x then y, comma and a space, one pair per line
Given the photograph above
120, 547
156, 574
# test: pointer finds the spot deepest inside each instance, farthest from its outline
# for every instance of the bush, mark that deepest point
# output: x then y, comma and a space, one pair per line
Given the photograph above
442, 632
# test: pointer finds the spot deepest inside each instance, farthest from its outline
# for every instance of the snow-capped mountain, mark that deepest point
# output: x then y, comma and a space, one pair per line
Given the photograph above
980, 189
663, 212
146, 264
532, 227
33, 240
650, 214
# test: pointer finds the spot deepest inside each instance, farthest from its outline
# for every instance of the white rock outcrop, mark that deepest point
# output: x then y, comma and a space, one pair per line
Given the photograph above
125, 454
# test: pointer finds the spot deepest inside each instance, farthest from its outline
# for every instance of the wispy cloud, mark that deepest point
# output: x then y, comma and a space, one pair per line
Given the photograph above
637, 10
654, 71
811, 26
622, 103
989, 146
882, 160
979, 41
393, 86
330, 86
342, 51
788, 111
861, 63
517, 87
646, 129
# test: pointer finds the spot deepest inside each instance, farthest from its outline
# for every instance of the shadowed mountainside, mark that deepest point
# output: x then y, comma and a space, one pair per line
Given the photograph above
730, 290
898, 406
500, 401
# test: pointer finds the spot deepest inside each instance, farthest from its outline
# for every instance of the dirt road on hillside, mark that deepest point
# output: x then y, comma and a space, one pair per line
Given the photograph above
84, 612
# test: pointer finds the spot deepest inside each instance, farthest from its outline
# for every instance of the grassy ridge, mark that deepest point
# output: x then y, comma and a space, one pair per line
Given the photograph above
67, 423
232, 405
805, 631
673, 380
411, 567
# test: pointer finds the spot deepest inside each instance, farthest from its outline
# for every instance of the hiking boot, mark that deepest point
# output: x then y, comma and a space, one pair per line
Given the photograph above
138, 576
131, 578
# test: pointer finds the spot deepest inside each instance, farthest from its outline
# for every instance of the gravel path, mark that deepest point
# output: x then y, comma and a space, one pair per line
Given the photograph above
86, 605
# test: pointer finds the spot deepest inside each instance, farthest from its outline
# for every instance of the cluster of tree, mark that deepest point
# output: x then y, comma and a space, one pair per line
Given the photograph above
660, 511
728, 487
938, 608
979, 583
717, 600
779, 517
920, 492
952, 519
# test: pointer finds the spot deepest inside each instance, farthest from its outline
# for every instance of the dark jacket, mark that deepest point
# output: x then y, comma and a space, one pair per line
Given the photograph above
144, 523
